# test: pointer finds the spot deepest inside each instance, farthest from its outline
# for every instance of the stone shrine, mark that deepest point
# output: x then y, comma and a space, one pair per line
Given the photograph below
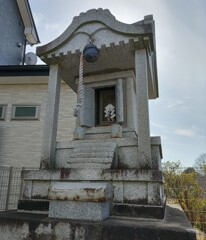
112, 168
119, 154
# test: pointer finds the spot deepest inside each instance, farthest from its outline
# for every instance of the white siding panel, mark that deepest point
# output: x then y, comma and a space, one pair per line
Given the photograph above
20, 140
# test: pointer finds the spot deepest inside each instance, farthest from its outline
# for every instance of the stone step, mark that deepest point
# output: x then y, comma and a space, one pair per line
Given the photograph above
89, 160
93, 149
92, 154
89, 165
111, 145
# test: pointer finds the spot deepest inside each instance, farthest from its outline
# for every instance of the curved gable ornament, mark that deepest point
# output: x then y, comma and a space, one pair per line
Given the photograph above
106, 19
115, 40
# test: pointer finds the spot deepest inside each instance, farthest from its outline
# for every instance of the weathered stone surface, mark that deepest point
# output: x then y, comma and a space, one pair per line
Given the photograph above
27, 189
120, 101
155, 193
92, 211
40, 189
79, 133
118, 192
116, 131
92, 155
143, 108
91, 165
156, 156
51, 119
94, 174
21, 226
129, 156
131, 105
103, 26
138, 211
87, 112
135, 193
81, 191
97, 15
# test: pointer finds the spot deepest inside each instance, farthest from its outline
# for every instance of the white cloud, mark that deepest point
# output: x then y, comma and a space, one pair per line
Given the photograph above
53, 27
38, 18
156, 125
184, 132
175, 104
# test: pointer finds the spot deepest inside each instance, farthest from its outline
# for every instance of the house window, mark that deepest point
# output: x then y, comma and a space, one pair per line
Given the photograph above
2, 112
25, 112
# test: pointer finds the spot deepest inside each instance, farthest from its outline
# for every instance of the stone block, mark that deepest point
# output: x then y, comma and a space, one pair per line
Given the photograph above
138, 211
81, 191
155, 193
79, 133
116, 131
40, 189
27, 189
87, 106
92, 211
128, 157
135, 192
118, 192
119, 89
156, 157
39, 174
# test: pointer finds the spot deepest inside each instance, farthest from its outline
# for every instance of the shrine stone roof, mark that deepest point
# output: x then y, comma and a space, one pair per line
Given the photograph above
115, 40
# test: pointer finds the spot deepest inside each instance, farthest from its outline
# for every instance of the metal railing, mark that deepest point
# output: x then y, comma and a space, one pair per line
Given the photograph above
11, 186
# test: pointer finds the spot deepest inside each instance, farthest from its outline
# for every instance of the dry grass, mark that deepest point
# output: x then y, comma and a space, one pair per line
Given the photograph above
200, 235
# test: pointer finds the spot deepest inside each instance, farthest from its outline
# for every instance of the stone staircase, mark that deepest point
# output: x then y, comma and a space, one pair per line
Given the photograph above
93, 155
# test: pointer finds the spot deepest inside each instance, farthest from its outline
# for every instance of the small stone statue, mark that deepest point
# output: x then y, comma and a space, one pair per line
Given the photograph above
110, 112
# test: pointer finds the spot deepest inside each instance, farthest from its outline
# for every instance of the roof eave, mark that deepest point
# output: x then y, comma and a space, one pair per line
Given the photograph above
28, 21
141, 28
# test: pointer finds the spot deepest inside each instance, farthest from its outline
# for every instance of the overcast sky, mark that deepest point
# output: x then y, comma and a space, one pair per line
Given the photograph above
179, 114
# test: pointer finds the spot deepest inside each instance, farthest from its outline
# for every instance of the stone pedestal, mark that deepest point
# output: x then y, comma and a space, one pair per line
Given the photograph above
91, 211
80, 200
114, 180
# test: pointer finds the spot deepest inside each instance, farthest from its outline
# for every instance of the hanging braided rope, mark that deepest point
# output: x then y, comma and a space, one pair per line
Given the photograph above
80, 87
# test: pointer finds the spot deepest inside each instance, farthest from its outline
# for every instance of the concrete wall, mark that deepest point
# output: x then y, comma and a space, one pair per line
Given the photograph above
20, 140
11, 32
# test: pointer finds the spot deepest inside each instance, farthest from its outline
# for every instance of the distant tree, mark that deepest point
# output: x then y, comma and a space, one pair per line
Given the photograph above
184, 189
189, 170
200, 164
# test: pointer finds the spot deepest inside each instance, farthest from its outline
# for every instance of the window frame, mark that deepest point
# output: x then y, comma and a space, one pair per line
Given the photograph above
3, 115
36, 117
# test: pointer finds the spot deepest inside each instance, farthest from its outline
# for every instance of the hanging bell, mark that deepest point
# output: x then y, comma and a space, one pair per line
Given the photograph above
90, 52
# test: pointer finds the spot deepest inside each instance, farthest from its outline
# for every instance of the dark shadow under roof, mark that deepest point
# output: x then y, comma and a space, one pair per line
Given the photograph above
24, 70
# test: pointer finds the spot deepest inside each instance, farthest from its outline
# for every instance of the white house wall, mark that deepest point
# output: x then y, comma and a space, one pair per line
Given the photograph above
20, 140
